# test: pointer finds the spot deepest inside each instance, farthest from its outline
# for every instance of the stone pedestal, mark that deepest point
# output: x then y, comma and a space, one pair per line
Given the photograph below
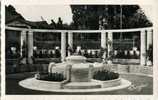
80, 74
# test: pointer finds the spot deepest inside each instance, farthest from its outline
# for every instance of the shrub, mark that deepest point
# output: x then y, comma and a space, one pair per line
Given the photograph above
105, 75
58, 77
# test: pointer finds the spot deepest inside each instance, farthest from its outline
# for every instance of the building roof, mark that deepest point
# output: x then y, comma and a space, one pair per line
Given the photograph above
38, 24
13, 18
12, 15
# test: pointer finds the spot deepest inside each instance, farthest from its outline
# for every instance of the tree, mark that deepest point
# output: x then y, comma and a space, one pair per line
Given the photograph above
109, 16
84, 16
138, 19
59, 23
11, 9
11, 13
52, 24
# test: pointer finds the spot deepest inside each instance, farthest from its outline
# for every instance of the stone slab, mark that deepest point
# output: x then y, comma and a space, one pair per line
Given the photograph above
30, 84
82, 85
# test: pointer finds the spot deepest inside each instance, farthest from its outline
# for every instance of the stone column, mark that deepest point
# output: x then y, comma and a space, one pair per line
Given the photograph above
63, 46
30, 47
23, 39
110, 42
149, 38
143, 48
103, 39
70, 41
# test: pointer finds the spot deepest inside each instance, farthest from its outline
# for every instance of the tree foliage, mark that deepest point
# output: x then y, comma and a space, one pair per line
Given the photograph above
111, 16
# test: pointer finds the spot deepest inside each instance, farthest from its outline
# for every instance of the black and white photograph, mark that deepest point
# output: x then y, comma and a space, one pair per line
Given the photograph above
78, 49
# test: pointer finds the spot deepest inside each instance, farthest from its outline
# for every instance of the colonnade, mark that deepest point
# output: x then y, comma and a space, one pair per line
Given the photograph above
146, 38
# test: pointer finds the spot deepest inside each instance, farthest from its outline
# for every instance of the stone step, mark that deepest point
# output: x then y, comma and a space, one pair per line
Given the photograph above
82, 85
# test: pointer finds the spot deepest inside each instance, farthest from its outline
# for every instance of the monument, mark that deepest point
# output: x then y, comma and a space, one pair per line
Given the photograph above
75, 75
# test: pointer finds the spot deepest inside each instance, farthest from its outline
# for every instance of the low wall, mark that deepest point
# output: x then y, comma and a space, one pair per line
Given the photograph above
19, 68
141, 69
133, 69
126, 61
126, 68
46, 60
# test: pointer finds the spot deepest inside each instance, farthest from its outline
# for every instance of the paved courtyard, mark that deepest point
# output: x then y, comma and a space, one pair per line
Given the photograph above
141, 85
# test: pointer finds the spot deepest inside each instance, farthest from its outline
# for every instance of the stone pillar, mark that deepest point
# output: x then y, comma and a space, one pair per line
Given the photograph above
63, 46
23, 39
103, 39
143, 48
30, 46
70, 41
90, 73
149, 38
110, 42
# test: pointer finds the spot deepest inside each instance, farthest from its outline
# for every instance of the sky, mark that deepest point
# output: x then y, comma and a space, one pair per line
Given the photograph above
48, 12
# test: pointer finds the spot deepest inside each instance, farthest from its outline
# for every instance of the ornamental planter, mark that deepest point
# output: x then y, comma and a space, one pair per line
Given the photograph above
49, 84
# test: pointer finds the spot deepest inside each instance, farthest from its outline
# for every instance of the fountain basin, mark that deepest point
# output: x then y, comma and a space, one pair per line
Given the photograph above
76, 59
34, 84
79, 72
109, 83
79, 77
82, 85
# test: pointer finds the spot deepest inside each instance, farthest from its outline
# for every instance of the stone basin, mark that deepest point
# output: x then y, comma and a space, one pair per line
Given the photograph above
81, 71
79, 78
76, 59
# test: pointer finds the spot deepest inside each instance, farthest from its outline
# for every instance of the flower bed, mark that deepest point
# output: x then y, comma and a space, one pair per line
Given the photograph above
106, 78
105, 75
56, 77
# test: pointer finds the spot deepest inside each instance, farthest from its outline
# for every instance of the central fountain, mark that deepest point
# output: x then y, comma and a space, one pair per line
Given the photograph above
75, 75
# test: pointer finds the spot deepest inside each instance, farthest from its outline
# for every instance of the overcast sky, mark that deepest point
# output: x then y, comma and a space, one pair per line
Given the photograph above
48, 12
